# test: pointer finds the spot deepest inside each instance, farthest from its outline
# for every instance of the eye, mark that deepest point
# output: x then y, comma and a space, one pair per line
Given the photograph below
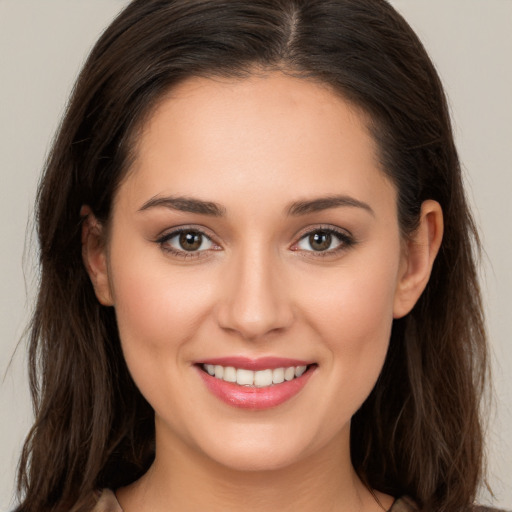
324, 241
186, 241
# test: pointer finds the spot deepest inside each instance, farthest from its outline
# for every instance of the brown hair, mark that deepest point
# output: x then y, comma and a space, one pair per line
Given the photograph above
419, 431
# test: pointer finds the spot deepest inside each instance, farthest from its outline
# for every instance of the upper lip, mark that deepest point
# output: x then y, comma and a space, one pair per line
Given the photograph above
261, 363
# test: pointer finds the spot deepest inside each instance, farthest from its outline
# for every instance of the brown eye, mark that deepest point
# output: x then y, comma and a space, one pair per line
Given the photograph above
186, 242
324, 240
320, 240
190, 240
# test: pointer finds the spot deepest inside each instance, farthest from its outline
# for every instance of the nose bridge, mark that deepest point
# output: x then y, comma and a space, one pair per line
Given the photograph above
256, 301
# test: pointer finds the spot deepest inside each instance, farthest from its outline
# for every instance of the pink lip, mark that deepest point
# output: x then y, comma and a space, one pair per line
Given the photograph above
262, 363
249, 397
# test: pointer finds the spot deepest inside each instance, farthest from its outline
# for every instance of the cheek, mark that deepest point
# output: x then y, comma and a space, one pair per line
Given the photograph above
352, 311
158, 308
353, 301
158, 311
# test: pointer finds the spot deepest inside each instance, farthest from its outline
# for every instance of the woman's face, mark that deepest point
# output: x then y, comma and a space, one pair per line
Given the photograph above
255, 233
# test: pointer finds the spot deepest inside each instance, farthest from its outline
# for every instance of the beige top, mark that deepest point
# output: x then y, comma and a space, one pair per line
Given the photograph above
107, 502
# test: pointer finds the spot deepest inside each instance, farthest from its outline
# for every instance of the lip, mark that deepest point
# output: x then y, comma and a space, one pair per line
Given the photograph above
262, 363
255, 398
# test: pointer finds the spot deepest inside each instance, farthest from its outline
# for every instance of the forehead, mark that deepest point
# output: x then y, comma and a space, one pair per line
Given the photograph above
234, 136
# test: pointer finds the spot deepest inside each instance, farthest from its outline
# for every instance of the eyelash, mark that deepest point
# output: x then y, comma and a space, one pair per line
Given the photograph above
164, 240
346, 241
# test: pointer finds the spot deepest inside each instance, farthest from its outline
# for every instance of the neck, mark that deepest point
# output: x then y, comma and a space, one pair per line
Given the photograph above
183, 480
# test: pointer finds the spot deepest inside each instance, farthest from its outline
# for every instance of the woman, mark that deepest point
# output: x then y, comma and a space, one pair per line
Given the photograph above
257, 267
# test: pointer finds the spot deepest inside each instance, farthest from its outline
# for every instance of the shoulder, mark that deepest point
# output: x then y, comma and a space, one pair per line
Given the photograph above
480, 508
405, 504
107, 502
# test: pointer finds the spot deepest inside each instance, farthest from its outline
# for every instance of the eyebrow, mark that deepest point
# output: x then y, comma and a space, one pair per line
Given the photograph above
185, 204
324, 203
297, 208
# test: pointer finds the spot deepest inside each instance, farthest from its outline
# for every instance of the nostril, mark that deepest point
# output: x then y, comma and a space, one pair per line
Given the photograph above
252, 321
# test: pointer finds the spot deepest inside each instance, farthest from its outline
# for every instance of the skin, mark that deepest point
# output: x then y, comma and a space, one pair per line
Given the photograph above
254, 147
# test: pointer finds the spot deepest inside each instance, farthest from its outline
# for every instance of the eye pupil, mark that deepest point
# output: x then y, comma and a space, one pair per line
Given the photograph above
191, 241
320, 240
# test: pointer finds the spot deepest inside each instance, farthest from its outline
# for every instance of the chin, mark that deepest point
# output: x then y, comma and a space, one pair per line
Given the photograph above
262, 448
255, 459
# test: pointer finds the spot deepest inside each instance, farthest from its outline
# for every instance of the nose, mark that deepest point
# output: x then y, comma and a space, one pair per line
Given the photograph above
255, 299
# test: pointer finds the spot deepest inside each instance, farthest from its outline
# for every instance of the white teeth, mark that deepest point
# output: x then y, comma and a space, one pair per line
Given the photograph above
263, 378
219, 371
289, 373
278, 376
259, 379
244, 377
299, 370
229, 374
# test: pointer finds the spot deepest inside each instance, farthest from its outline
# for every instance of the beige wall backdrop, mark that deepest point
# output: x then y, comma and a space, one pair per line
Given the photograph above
42, 46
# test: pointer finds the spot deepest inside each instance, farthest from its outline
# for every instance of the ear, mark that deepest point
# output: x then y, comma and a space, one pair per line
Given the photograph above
94, 256
419, 253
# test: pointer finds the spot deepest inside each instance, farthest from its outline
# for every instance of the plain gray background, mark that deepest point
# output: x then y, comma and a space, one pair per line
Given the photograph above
42, 46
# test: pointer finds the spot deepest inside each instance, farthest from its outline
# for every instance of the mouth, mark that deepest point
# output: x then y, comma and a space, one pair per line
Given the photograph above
259, 379
258, 384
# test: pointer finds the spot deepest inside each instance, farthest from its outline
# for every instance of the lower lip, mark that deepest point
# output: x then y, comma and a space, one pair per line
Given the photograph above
249, 397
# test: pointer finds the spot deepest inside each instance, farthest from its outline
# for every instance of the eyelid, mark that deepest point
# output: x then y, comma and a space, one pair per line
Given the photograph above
346, 239
170, 233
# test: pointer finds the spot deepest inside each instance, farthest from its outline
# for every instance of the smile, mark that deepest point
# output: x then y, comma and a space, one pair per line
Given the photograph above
259, 379
255, 384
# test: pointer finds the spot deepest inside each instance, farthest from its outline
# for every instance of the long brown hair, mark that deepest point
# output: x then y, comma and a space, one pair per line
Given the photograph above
419, 431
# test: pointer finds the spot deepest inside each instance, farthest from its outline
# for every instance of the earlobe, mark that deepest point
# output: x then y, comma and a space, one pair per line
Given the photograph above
419, 254
94, 256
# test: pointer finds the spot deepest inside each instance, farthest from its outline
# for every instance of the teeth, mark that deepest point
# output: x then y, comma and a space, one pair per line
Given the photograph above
259, 379
278, 376
244, 377
289, 373
229, 374
263, 378
299, 370
219, 371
